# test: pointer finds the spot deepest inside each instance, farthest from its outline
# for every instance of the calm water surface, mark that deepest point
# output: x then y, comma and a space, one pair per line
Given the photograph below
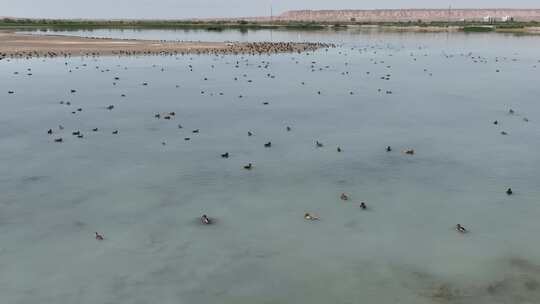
146, 197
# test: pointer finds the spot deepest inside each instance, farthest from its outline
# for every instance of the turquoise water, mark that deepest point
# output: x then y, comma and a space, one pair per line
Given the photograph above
146, 197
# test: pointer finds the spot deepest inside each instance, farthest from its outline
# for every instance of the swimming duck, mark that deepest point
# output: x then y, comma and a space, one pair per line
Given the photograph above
339, 149
248, 166
318, 144
95, 129
11, 92
504, 133
409, 151
509, 191
196, 131
288, 129
461, 229
250, 134
268, 145
205, 220
363, 205
511, 111
50, 131
310, 217
388, 149
225, 155
110, 107
495, 122
58, 140
99, 237
344, 197
115, 132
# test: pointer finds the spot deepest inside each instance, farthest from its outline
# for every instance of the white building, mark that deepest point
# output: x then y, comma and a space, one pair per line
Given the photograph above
489, 19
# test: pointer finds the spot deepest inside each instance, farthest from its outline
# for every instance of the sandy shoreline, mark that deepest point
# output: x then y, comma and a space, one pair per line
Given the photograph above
27, 45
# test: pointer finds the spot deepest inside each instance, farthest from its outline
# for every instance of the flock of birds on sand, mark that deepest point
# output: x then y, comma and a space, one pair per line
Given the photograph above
172, 49
255, 49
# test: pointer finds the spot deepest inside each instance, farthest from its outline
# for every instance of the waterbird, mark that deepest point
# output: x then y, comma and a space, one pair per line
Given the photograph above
509, 191
310, 217
225, 155
50, 131
248, 166
318, 144
268, 145
388, 149
99, 237
461, 229
344, 197
363, 205
205, 220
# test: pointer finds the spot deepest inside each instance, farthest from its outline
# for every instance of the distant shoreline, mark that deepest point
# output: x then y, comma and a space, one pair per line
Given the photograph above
518, 27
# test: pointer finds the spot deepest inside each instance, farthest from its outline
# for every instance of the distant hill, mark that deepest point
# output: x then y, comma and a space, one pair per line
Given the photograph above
393, 15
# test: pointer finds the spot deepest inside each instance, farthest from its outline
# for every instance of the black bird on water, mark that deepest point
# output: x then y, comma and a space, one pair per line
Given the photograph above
268, 145
248, 166
509, 191
461, 229
225, 155
388, 149
205, 220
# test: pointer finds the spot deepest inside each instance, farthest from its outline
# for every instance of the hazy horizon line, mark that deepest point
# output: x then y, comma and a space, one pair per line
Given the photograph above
278, 14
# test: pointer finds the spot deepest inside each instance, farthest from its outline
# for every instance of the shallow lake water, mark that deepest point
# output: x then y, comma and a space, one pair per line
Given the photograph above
442, 95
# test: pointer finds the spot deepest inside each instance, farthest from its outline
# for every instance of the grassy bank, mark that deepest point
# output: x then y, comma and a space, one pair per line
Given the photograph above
149, 24
243, 25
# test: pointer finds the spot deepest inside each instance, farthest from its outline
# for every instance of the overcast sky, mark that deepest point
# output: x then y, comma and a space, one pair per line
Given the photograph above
220, 8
